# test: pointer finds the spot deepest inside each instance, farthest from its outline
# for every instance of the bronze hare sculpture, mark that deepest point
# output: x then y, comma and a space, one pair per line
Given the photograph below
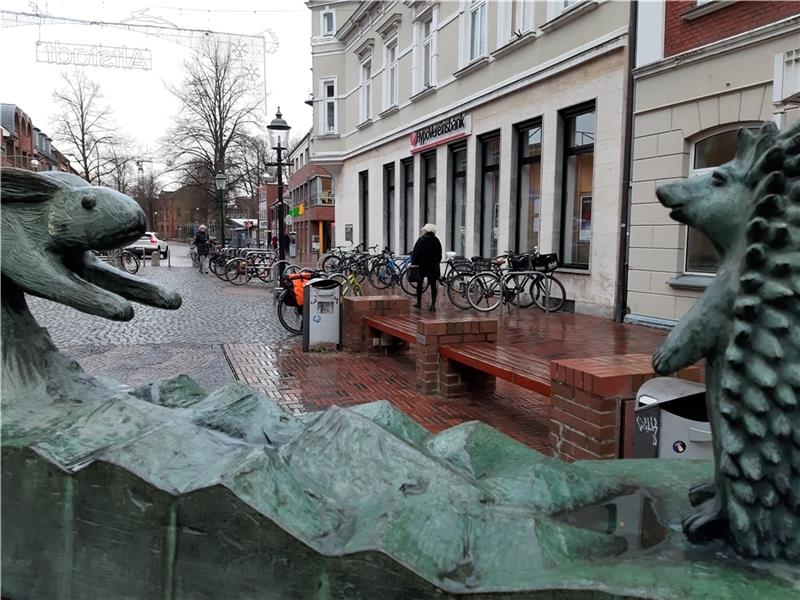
747, 327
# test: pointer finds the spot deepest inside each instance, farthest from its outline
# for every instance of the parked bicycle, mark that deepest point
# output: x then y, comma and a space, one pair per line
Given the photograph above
122, 258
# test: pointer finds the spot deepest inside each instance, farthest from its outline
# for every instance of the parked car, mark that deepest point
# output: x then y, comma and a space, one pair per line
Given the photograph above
147, 243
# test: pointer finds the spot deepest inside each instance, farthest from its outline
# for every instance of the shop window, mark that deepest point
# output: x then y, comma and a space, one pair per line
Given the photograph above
366, 90
429, 189
490, 194
390, 75
408, 204
529, 173
388, 204
458, 199
708, 153
363, 213
576, 205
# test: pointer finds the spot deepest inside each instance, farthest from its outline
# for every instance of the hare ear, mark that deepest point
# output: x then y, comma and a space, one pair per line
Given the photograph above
18, 185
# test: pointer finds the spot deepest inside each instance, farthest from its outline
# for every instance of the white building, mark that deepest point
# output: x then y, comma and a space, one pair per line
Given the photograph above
501, 122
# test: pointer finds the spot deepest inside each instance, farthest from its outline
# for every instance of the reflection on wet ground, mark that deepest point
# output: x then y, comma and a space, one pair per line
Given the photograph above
633, 517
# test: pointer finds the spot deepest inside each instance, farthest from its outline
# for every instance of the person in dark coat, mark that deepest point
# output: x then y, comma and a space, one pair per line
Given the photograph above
427, 255
201, 244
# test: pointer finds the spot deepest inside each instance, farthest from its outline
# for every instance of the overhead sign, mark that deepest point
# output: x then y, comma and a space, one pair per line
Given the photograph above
89, 55
441, 132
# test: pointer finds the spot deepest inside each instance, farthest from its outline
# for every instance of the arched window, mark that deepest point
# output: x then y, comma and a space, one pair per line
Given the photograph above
707, 153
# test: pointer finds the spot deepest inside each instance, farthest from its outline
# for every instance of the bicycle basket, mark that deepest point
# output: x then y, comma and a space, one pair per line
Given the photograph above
482, 264
520, 263
545, 263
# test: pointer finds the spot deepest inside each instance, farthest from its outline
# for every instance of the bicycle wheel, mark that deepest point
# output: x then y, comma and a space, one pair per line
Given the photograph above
129, 262
519, 288
484, 291
330, 263
381, 276
410, 287
237, 271
546, 286
457, 290
291, 317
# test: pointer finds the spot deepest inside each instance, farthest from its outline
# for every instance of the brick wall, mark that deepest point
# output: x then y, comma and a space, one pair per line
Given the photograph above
593, 403
354, 332
439, 374
681, 35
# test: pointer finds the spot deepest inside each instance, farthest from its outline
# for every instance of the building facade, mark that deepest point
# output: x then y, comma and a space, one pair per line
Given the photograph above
25, 146
501, 122
703, 70
311, 202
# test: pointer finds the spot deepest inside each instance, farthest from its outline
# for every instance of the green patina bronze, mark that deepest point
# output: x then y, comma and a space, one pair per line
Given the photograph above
747, 327
167, 491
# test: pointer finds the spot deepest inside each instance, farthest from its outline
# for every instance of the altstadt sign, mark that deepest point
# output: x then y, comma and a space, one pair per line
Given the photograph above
88, 55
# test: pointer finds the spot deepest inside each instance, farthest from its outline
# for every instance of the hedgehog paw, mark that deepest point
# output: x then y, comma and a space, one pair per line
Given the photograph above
701, 492
707, 522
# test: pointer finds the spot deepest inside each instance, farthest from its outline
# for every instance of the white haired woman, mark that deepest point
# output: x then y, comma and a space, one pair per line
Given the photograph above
426, 256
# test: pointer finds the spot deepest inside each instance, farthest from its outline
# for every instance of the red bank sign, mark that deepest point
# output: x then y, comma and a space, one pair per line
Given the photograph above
441, 132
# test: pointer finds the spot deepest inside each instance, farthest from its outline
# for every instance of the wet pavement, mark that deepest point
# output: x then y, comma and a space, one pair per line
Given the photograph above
224, 332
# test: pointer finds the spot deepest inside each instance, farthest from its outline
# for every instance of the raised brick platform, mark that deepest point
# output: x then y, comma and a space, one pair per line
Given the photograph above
593, 404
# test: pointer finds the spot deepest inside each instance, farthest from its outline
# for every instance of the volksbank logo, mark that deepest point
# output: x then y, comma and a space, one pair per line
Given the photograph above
450, 125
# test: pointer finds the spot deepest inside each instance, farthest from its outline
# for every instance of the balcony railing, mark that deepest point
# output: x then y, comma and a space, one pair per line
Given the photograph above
322, 198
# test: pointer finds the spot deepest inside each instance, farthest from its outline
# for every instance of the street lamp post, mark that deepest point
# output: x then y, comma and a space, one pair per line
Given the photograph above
278, 135
219, 182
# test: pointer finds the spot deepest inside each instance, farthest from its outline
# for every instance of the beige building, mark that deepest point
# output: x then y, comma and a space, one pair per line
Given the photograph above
703, 70
501, 122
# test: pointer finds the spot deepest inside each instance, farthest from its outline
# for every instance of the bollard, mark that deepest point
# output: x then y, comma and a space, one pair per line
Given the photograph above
155, 260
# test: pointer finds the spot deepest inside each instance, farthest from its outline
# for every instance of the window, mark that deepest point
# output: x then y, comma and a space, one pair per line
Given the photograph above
576, 205
425, 52
388, 204
707, 154
490, 194
366, 90
429, 190
458, 198
529, 181
390, 76
514, 18
328, 22
329, 124
556, 7
477, 30
408, 205
363, 212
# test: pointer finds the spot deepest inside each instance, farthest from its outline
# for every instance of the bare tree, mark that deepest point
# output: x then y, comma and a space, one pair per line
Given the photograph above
218, 104
121, 163
250, 161
147, 193
84, 125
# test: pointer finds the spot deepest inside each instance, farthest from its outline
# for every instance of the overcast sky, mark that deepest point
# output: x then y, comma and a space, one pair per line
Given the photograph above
142, 106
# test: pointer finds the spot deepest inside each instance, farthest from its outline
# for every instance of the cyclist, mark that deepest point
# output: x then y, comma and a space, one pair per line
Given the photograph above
426, 256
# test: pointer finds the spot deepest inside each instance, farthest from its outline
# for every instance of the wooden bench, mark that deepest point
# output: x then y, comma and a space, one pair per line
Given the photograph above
529, 372
401, 328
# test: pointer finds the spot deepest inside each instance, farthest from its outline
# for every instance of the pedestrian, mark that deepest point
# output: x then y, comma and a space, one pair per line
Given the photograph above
274, 242
201, 243
426, 256
287, 240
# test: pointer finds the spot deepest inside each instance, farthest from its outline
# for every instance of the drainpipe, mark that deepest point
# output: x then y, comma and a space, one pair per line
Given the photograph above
621, 301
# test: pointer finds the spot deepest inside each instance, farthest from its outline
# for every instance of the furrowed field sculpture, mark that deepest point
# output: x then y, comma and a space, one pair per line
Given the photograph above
747, 327
170, 491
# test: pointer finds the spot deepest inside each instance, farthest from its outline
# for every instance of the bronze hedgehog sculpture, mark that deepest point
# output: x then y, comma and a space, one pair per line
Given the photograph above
747, 327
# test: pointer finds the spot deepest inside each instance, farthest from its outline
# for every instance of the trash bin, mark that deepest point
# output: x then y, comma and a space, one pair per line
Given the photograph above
322, 311
672, 420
